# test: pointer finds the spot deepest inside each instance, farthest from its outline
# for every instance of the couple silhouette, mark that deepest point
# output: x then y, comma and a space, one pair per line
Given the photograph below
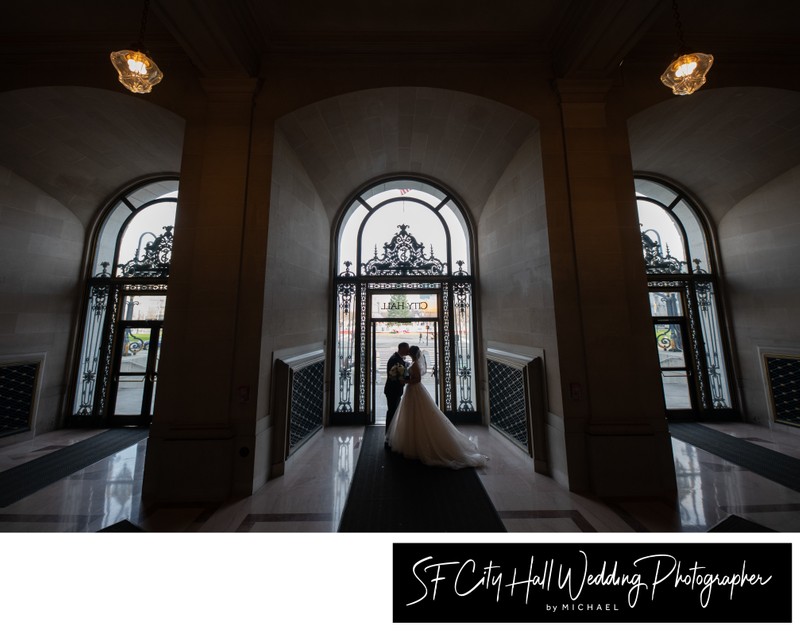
415, 426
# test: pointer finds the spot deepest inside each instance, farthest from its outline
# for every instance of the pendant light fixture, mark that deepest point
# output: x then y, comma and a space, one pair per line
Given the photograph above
137, 70
687, 72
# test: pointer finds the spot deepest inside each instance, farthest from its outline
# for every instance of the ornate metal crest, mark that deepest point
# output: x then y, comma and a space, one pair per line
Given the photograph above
404, 256
656, 261
154, 261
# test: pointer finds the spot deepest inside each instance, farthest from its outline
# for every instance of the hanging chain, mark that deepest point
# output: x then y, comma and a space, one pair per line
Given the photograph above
144, 22
678, 27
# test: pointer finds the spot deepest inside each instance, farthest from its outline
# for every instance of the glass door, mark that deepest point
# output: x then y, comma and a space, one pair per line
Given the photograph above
675, 356
138, 348
386, 335
136, 351
397, 317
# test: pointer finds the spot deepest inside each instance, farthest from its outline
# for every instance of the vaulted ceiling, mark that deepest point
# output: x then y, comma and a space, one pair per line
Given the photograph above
81, 145
69, 141
721, 145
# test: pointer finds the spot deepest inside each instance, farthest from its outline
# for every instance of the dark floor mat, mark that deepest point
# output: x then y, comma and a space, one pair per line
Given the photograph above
734, 523
390, 493
27, 478
768, 463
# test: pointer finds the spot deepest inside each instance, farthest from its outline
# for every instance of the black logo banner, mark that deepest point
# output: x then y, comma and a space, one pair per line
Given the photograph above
581, 582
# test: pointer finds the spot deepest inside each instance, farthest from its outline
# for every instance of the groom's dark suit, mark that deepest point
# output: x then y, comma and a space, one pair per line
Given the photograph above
393, 388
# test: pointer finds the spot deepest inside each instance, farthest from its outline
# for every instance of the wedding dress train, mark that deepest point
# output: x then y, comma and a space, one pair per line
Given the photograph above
421, 431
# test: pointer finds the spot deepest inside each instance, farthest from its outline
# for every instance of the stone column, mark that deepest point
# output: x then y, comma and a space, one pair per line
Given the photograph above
201, 439
615, 433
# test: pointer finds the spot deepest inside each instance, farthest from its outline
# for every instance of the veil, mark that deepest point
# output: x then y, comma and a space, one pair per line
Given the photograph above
423, 364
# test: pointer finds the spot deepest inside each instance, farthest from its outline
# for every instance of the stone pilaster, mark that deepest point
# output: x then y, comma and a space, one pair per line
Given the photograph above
200, 446
615, 431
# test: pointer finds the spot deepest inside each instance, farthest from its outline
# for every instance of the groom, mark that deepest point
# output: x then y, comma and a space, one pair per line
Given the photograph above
395, 381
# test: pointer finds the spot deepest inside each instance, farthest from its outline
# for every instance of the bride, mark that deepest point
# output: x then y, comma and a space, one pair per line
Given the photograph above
421, 431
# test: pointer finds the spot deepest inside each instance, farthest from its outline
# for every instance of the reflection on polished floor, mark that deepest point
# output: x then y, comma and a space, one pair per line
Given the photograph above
311, 495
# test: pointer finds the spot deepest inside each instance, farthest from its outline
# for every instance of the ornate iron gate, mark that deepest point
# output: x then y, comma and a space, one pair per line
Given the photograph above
405, 265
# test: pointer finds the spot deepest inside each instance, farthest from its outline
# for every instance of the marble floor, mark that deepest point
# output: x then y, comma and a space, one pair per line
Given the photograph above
310, 496
294, 569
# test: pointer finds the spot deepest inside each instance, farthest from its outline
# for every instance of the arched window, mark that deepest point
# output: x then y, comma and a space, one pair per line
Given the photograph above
684, 302
126, 299
403, 273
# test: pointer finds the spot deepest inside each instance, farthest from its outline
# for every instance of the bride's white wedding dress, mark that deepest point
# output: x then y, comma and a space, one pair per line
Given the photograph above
420, 430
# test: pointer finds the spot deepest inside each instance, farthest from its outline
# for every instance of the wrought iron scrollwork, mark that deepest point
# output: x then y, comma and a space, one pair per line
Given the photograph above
447, 350
405, 264
697, 269
154, 261
713, 343
150, 269
362, 348
107, 348
98, 300
404, 256
656, 260
345, 340
462, 303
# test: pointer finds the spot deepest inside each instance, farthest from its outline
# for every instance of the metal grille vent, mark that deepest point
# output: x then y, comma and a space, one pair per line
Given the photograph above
783, 374
17, 396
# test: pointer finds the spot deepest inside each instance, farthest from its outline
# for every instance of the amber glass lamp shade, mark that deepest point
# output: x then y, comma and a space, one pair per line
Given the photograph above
687, 73
137, 72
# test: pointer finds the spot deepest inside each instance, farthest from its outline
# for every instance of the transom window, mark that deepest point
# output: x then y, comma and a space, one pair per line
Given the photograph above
431, 228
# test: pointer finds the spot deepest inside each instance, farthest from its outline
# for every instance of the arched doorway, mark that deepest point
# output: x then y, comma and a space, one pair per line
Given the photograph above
685, 304
117, 372
404, 273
